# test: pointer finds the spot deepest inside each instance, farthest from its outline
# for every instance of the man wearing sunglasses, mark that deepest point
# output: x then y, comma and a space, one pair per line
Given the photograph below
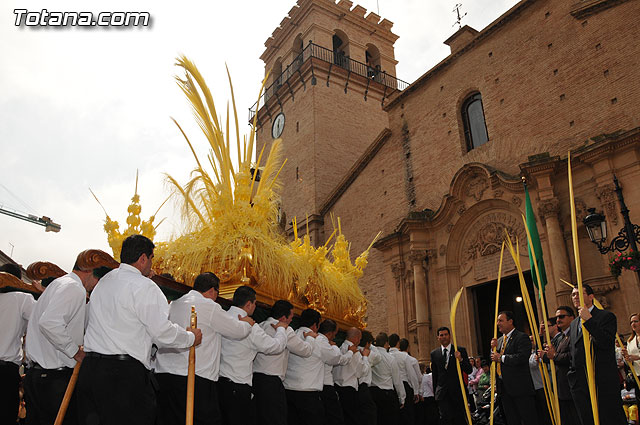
560, 352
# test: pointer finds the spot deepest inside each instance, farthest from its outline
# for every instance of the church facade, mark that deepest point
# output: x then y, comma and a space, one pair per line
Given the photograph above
437, 165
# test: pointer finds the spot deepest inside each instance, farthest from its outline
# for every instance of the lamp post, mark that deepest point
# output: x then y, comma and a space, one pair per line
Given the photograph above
628, 236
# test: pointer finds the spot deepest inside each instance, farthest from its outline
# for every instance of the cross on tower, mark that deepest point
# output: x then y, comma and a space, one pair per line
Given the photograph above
456, 9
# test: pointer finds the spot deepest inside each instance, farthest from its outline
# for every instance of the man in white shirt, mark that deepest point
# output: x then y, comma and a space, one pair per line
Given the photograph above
54, 344
236, 362
127, 314
304, 379
269, 370
332, 408
345, 378
172, 363
367, 409
15, 309
409, 379
385, 377
431, 414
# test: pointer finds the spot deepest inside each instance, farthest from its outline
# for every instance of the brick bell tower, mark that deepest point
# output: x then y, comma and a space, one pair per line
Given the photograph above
332, 70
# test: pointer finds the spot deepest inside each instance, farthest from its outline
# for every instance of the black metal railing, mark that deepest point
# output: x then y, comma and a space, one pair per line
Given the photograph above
374, 74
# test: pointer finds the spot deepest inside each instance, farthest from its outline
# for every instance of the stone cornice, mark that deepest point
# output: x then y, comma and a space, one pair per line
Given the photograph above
587, 8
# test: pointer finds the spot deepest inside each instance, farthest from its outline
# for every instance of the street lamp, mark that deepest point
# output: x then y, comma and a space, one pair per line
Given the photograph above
628, 236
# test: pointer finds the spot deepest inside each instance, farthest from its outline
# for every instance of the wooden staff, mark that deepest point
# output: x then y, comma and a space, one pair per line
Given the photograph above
495, 336
191, 376
67, 394
452, 317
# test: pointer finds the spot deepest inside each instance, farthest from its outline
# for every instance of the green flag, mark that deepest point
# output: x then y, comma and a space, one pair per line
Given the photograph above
535, 243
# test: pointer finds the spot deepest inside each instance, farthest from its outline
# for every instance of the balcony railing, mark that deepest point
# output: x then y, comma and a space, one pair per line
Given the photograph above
373, 74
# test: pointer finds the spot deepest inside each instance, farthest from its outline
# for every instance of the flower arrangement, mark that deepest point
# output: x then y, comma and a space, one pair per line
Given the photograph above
625, 260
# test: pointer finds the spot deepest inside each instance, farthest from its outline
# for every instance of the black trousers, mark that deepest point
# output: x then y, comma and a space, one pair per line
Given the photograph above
609, 400
235, 402
408, 411
332, 407
543, 409
304, 408
452, 411
568, 413
43, 392
432, 417
172, 400
115, 392
269, 399
9, 397
387, 404
349, 402
367, 410
519, 409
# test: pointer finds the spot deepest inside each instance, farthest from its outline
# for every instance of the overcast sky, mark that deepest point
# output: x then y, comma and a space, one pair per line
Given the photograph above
84, 108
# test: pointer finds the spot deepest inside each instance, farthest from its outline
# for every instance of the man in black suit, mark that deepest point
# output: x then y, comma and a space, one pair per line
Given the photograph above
560, 352
515, 386
602, 326
446, 382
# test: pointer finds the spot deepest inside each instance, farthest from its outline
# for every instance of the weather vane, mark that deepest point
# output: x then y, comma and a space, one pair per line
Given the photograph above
459, 20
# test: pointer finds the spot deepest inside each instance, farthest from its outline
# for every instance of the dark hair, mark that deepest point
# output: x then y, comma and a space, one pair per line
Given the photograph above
508, 314
134, 246
567, 309
281, 308
206, 281
46, 281
404, 344
551, 321
587, 288
443, 328
242, 295
99, 272
327, 326
367, 337
309, 317
484, 363
381, 339
393, 340
13, 269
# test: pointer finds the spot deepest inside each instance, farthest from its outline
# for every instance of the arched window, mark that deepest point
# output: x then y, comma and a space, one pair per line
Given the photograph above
340, 49
475, 129
297, 52
372, 59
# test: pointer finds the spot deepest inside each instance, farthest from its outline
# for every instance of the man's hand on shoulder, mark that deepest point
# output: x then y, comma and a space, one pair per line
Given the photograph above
280, 324
312, 334
247, 319
353, 348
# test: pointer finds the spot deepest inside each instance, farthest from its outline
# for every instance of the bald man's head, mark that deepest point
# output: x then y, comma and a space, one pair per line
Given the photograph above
354, 335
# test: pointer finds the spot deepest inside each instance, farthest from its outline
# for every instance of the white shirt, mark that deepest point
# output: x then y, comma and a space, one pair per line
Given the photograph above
15, 309
213, 321
307, 373
276, 364
385, 374
236, 362
348, 375
374, 359
56, 325
128, 313
343, 360
426, 387
507, 338
405, 368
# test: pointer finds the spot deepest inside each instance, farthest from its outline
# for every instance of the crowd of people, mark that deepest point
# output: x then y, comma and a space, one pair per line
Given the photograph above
134, 346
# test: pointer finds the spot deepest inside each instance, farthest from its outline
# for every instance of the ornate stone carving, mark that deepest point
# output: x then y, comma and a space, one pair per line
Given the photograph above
607, 197
581, 209
516, 201
449, 227
442, 250
461, 209
498, 193
432, 256
417, 257
549, 208
488, 234
398, 272
476, 185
